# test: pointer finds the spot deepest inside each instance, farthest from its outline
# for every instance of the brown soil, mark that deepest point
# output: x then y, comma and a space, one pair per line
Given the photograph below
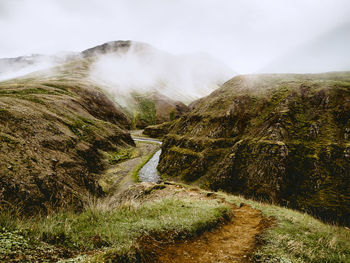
231, 242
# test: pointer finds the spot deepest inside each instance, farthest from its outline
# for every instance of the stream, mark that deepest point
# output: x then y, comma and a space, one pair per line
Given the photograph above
148, 172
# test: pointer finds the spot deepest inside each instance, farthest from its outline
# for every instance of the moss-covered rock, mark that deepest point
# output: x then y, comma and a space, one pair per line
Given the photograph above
282, 138
157, 131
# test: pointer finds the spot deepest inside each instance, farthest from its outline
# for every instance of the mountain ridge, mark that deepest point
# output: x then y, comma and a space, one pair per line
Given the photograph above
279, 138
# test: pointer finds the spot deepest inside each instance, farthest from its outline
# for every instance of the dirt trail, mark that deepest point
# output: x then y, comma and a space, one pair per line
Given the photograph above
232, 242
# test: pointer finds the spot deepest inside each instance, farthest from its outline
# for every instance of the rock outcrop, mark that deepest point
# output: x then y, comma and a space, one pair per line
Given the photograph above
157, 131
279, 138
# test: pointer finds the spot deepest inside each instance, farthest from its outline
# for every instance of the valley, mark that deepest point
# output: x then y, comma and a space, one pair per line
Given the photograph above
255, 169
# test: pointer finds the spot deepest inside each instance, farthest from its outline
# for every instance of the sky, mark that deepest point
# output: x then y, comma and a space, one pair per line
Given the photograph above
246, 35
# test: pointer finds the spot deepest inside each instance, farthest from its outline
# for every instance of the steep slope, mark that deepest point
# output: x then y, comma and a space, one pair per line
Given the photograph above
283, 138
52, 137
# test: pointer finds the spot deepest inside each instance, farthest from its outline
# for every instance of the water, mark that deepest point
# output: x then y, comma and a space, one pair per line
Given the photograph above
148, 172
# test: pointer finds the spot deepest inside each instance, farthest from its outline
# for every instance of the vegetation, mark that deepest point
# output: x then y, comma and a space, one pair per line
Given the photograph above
282, 138
53, 138
297, 237
146, 111
118, 230
119, 156
157, 131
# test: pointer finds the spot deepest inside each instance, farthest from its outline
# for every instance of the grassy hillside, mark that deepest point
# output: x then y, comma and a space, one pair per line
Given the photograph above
150, 218
54, 127
296, 237
142, 108
153, 108
282, 138
52, 135
102, 234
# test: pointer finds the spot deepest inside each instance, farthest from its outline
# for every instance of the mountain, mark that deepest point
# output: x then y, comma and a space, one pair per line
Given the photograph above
281, 138
131, 70
134, 74
109, 47
56, 123
327, 52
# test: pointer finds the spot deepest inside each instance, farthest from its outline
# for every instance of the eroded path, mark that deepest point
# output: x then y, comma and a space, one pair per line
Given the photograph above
231, 242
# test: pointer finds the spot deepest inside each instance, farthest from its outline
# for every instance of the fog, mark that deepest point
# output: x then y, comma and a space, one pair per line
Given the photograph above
145, 69
19, 66
247, 35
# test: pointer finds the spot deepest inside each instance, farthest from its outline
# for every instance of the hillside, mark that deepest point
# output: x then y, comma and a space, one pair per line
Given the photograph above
150, 86
56, 125
57, 134
53, 135
173, 223
279, 138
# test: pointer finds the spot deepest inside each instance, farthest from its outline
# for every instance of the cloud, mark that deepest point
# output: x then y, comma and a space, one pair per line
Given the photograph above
245, 34
145, 69
16, 67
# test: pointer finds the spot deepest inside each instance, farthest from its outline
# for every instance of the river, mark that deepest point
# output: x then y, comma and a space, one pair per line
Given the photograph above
148, 172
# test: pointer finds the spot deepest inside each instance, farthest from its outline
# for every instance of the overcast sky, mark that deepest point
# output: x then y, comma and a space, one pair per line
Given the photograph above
245, 34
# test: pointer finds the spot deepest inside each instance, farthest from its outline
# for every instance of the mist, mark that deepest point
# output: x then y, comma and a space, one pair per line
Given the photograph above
23, 65
12, 68
144, 69
247, 35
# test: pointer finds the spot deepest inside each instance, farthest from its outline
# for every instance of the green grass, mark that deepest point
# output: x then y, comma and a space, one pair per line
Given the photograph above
26, 91
12, 242
146, 111
117, 230
298, 237
81, 127
119, 156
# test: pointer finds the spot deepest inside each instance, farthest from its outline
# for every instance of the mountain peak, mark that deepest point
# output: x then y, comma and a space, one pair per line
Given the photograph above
108, 47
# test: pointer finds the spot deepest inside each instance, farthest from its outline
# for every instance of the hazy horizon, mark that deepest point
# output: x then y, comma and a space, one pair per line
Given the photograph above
245, 35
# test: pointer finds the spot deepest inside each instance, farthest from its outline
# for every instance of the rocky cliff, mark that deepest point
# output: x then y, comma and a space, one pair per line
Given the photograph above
279, 138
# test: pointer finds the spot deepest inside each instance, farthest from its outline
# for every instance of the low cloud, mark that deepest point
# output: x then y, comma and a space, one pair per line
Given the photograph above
16, 67
144, 69
246, 34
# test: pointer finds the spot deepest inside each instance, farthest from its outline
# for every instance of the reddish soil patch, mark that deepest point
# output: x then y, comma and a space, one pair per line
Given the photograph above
231, 242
